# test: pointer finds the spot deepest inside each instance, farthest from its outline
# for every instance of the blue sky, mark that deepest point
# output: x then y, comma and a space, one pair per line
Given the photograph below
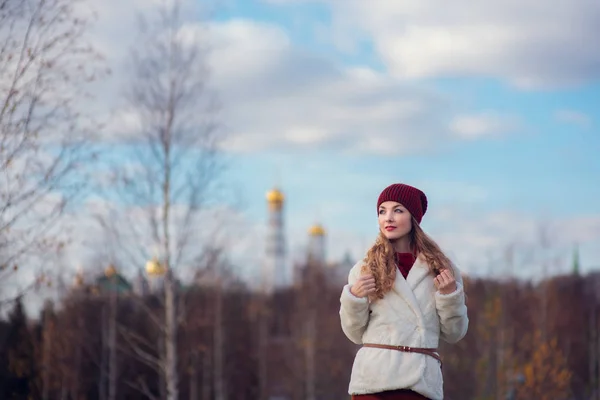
492, 109
526, 147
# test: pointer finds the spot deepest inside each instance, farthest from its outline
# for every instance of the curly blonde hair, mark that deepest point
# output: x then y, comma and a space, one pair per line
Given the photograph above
380, 259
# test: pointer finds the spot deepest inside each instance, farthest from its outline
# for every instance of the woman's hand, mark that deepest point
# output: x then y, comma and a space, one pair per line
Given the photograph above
364, 286
445, 282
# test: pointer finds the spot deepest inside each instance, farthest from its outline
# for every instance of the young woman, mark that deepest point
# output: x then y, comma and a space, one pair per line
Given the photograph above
399, 302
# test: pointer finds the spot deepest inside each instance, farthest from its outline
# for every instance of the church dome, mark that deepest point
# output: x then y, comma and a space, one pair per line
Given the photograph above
316, 230
111, 270
79, 281
275, 196
154, 267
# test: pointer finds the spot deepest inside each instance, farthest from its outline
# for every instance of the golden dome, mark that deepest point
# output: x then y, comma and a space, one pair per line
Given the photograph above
275, 196
316, 230
154, 267
79, 281
110, 270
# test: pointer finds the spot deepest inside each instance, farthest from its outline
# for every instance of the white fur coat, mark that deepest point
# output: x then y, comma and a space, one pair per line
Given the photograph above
412, 314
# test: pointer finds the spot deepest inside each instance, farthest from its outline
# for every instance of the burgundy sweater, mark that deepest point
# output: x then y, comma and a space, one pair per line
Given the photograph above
405, 262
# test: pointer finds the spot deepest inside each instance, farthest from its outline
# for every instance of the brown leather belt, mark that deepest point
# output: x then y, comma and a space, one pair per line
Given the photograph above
427, 351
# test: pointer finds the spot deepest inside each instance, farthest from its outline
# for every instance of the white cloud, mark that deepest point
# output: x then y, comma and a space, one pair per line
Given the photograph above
122, 124
481, 125
276, 96
525, 42
279, 97
573, 117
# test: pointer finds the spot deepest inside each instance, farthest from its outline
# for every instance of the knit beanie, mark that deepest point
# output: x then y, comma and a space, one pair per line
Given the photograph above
410, 197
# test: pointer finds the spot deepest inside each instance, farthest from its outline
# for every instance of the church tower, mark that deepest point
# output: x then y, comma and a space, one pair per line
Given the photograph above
275, 272
316, 244
156, 275
576, 264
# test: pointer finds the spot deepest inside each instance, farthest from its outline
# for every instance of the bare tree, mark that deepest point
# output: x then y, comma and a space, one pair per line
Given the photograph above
174, 165
46, 68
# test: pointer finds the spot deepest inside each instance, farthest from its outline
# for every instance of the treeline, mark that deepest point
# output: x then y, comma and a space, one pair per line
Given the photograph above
525, 341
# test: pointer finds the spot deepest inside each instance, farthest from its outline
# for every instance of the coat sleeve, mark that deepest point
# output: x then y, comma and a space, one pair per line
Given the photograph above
452, 311
354, 311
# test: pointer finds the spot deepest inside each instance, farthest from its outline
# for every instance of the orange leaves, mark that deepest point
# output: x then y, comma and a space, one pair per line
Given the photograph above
547, 376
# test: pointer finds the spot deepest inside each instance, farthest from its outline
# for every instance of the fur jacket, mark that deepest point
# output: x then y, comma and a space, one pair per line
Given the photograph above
412, 314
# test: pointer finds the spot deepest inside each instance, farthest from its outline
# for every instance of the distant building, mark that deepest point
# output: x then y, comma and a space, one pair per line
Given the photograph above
276, 272
316, 244
155, 275
112, 281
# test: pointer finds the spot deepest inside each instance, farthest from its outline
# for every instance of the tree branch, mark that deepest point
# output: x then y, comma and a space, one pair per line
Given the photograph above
142, 355
142, 387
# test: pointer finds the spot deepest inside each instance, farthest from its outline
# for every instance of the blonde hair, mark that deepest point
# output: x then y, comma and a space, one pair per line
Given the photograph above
380, 259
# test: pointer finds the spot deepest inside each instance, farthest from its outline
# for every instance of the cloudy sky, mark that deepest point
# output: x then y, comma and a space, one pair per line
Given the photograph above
493, 109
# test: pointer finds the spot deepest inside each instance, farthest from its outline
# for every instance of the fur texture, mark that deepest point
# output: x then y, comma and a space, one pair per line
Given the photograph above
412, 314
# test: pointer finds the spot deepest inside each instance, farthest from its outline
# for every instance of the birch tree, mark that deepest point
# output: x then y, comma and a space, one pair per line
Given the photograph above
174, 163
46, 68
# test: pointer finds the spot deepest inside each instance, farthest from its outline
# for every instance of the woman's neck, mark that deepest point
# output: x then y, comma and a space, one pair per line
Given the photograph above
401, 245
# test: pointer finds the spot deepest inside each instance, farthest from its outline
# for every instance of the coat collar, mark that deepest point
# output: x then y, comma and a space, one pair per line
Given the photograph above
404, 287
418, 272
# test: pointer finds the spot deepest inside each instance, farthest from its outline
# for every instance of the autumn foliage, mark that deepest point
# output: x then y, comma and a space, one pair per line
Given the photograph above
514, 349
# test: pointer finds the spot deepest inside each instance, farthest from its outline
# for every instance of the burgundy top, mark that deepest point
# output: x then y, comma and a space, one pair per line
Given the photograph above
398, 394
405, 262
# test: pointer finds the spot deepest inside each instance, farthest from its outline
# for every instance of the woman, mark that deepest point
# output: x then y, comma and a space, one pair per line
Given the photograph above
400, 317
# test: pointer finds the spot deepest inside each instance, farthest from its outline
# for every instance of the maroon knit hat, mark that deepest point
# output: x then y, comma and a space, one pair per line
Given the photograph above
410, 197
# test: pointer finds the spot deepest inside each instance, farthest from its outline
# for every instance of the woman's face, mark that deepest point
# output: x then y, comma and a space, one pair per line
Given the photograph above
395, 221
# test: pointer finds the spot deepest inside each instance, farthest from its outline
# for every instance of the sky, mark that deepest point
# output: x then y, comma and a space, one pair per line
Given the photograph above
492, 109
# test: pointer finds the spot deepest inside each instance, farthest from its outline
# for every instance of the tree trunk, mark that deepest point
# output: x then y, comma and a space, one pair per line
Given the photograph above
500, 349
206, 368
171, 338
593, 359
310, 354
64, 392
161, 373
218, 346
103, 357
46, 358
194, 376
170, 290
112, 348
77, 369
262, 350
